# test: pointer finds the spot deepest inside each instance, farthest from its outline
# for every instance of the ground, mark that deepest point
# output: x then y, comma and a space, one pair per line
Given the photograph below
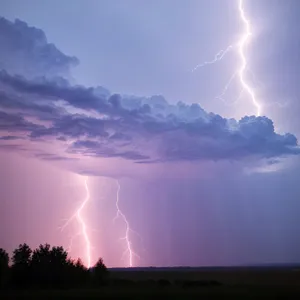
241, 283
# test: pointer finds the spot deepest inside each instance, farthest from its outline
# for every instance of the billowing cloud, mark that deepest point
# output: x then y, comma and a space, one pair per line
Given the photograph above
95, 123
25, 50
16, 123
155, 132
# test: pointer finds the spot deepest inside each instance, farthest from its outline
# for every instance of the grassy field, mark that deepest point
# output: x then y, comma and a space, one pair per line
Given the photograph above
228, 276
229, 292
141, 284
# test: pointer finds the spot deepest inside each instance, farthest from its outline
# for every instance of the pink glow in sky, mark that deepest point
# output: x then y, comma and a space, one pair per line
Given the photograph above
199, 187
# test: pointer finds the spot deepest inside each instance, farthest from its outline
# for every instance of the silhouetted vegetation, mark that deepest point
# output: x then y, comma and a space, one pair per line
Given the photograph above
100, 273
49, 273
51, 268
4, 268
46, 268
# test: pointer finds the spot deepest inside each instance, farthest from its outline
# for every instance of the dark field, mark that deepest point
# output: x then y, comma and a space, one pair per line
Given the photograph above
184, 283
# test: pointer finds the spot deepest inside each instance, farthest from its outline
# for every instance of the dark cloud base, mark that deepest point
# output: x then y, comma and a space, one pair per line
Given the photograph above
96, 123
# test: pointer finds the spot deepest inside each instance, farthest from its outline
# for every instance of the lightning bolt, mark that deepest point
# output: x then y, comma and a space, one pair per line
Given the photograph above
240, 73
241, 46
83, 227
128, 243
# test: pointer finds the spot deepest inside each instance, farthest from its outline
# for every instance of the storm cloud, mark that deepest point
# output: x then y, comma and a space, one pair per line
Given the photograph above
170, 133
97, 123
25, 50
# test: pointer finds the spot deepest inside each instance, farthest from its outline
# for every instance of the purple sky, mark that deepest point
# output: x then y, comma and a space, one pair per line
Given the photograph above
109, 95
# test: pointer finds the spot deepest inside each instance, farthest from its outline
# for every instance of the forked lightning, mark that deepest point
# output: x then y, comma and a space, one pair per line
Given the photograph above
240, 46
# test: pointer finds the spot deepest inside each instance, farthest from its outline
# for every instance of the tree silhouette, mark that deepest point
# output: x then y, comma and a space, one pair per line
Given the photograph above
58, 256
4, 258
4, 268
81, 273
40, 263
100, 272
79, 264
47, 267
21, 265
59, 266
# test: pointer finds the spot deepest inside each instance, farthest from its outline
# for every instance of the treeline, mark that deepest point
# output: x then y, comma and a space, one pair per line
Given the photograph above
50, 267
47, 267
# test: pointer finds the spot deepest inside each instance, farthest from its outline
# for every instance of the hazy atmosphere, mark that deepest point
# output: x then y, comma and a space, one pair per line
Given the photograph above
125, 133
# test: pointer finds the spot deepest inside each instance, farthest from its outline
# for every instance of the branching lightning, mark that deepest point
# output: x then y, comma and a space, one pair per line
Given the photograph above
126, 238
83, 227
240, 73
84, 232
241, 46
217, 57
